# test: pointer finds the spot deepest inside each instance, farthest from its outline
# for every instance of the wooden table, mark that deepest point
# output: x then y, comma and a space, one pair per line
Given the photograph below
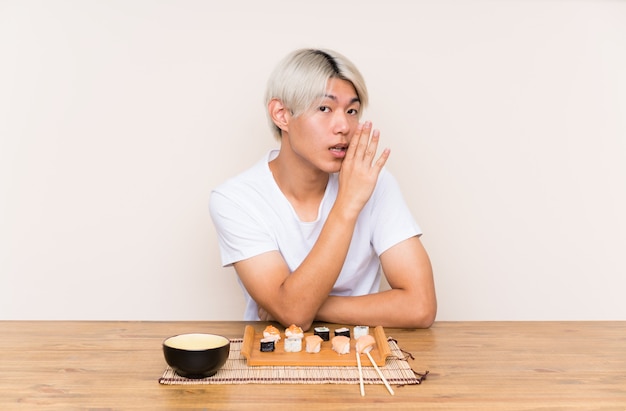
473, 365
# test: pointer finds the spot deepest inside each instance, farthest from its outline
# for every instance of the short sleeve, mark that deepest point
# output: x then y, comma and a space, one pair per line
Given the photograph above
392, 219
240, 234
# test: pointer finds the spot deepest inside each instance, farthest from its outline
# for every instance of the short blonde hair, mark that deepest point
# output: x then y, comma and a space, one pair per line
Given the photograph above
301, 78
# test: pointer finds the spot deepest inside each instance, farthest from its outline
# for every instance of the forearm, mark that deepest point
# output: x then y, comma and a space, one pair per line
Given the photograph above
390, 308
303, 291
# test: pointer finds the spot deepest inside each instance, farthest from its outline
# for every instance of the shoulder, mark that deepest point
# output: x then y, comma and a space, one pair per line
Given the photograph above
386, 177
254, 178
251, 194
386, 184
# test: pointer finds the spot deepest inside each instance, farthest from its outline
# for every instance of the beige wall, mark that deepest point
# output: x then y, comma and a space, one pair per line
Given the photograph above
506, 120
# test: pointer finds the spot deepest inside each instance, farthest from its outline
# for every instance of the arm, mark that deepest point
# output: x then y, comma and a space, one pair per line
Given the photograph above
297, 296
410, 303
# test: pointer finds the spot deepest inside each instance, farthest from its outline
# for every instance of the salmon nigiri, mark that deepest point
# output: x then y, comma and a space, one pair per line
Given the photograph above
365, 343
341, 344
294, 331
271, 332
313, 343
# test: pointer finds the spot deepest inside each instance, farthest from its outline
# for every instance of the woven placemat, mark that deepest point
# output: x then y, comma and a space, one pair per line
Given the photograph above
397, 372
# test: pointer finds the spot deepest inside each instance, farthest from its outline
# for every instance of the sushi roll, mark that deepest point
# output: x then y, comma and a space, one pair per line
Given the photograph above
360, 330
323, 332
313, 343
268, 345
293, 344
294, 331
345, 331
365, 344
341, 344
271, 332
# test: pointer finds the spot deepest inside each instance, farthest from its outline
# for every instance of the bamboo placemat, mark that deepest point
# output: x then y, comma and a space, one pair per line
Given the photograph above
397, 371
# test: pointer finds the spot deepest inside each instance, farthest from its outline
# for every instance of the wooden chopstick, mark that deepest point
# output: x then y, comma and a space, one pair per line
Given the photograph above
382, 377
358, 361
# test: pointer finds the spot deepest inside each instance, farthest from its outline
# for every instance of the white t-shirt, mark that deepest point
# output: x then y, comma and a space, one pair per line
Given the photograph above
252, 216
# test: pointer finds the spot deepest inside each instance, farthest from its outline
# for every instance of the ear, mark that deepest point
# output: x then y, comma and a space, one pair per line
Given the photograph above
279, 114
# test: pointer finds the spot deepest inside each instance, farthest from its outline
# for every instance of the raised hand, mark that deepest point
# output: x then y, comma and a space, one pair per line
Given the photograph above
359, 172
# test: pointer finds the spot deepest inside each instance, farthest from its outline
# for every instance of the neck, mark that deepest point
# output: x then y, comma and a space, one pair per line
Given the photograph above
304, 187
298, 182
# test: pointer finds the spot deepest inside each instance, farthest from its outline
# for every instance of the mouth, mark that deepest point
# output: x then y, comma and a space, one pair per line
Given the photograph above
339, 148
339, 151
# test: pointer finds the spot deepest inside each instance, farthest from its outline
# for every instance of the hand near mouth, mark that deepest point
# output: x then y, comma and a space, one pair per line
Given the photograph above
359, 172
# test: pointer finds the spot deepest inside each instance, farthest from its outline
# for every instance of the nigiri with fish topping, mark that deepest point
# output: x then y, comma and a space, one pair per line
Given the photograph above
365, 344
341, 344
313, 343
293, 331
271, 333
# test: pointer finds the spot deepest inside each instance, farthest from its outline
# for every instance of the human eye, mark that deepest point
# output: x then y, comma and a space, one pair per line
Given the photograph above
353, 112
324, 109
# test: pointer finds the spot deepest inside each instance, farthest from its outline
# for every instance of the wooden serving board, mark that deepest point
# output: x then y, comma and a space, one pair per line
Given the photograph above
251, 350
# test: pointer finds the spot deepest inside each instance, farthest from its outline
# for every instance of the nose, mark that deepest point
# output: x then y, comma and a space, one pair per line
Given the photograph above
341, 124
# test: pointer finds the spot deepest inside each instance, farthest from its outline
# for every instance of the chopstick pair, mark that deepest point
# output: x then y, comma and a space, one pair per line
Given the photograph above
380, 374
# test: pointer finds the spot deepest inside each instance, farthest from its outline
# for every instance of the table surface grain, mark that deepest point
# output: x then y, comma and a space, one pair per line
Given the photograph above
473, 366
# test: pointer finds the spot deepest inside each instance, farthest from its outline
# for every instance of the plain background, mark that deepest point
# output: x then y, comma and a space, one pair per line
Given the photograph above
506, 121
